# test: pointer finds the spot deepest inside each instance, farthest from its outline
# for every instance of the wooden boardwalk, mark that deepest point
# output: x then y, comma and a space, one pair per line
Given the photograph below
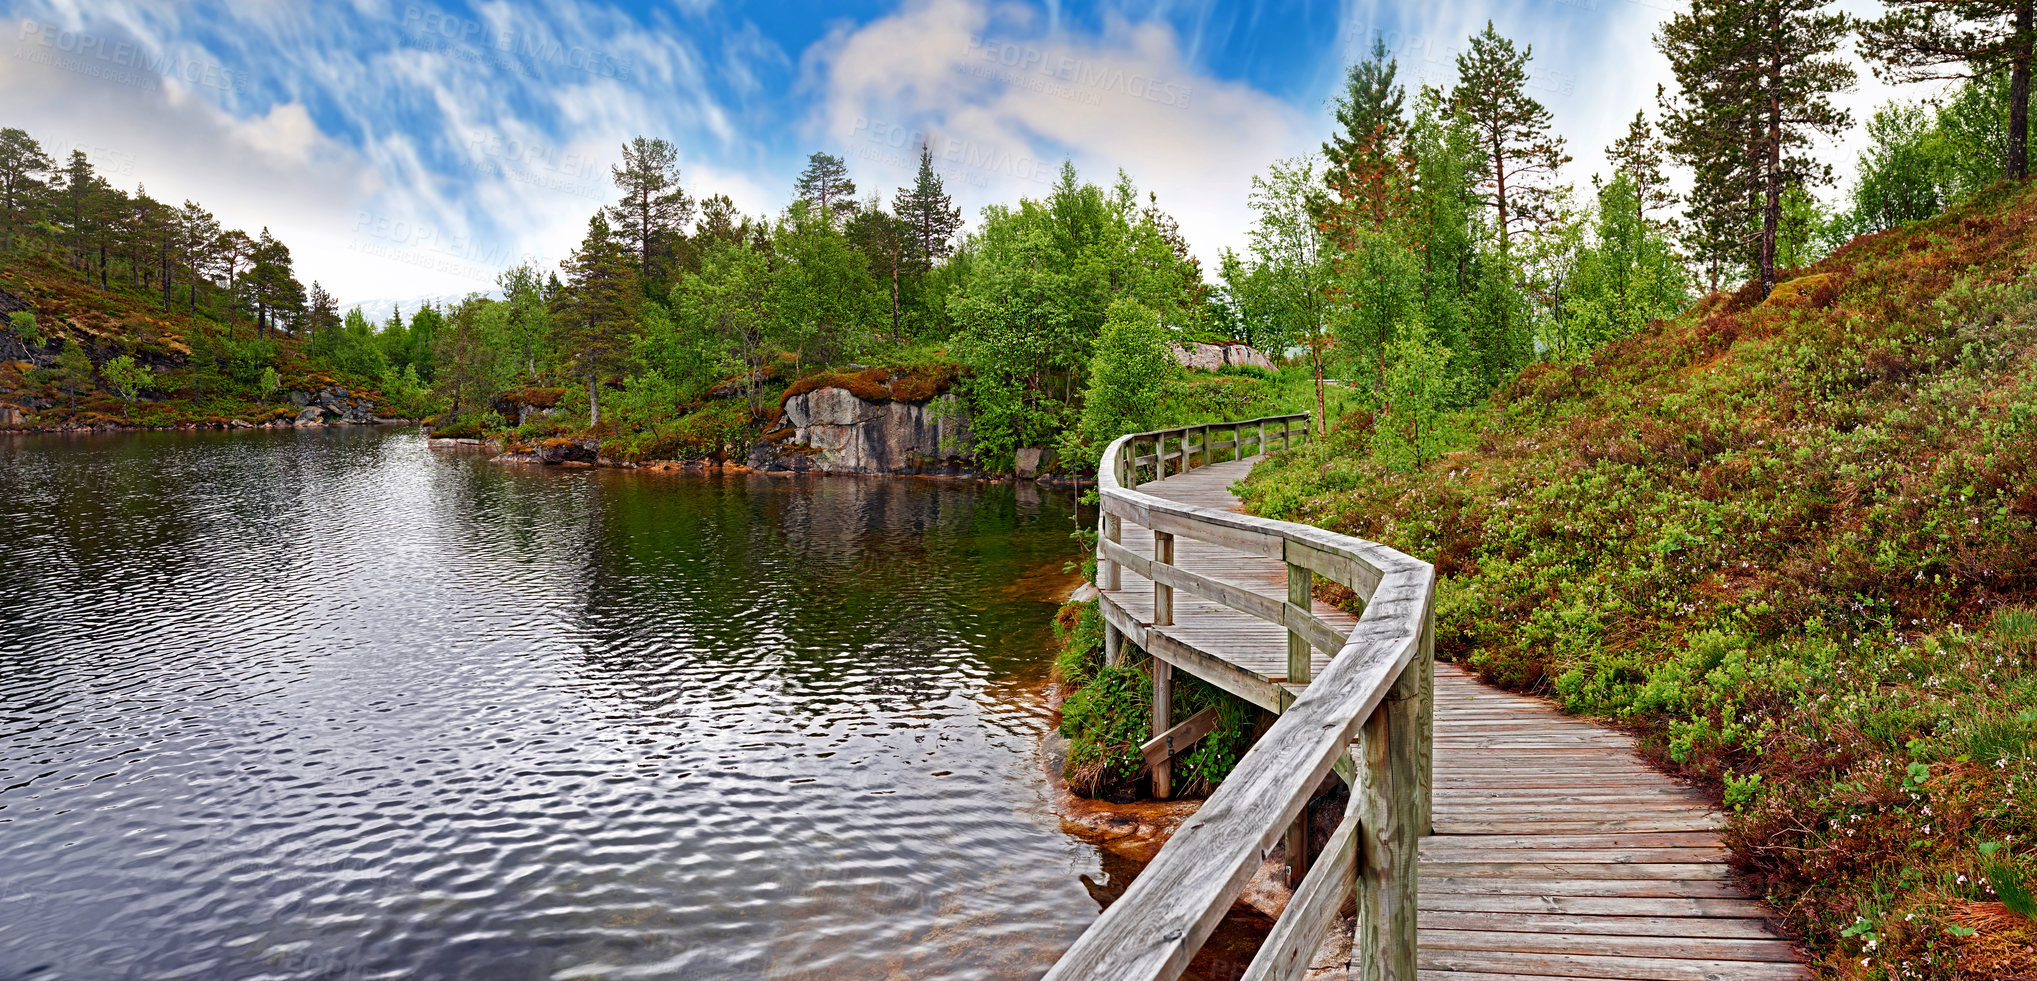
1557, 853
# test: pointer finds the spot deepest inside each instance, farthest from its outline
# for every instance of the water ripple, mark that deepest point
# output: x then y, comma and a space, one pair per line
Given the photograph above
329, 705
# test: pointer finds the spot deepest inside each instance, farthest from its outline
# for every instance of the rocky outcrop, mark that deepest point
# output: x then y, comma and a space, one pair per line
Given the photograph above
1212, 357
333, 406
831, 430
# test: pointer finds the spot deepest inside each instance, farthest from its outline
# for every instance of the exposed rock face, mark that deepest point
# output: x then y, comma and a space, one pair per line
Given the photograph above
567, 451
833, 431
332, 405
1211, 357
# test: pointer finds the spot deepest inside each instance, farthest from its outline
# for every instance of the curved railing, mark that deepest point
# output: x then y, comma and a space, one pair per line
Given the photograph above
1374, 696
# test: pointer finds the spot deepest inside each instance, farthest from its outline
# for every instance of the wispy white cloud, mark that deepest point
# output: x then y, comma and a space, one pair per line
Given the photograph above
1001, 95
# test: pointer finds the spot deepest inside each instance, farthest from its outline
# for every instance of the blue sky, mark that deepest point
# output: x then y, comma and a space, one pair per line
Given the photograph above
408, 150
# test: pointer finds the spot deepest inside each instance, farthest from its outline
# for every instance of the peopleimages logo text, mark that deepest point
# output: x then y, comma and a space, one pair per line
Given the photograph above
1079, 72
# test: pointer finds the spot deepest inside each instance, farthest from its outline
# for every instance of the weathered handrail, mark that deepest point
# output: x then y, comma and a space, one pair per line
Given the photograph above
1367, 695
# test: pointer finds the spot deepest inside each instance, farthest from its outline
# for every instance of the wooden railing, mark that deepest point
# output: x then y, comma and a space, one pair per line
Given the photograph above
1374, 695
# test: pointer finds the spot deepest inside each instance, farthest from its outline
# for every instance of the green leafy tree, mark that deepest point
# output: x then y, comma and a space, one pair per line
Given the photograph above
825, 298
526, 318
23, 324
74, 370
126, 377
475, 359
886, 242
1898, 179
1628, 275
197, 234
1127, 374
1920, 40
1378, 286
422, 342
1293, 267
1408, 423
1756, 83
732, 303
593, 315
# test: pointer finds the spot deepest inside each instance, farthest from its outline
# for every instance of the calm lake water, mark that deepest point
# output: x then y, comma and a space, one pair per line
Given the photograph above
331, 704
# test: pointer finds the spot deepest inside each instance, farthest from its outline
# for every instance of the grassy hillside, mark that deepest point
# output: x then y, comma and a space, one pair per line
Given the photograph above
129, 320
1793, 544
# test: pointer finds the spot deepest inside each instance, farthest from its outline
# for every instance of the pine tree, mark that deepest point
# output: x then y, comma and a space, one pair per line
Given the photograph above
652, 217
932, 215
321, 315
1640, 155
826, 185
1756, 79
276, 293
232, 251
197, 234
1920, 40
720, 222
595, 310
24, 169
1522, 158
1369, 121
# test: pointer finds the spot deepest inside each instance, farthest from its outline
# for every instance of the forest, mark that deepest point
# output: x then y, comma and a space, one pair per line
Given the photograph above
1435, 246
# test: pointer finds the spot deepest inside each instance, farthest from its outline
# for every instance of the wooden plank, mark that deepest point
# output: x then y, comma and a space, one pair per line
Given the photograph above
1545, 887
1171, 907
1577, 870
1598, 966
1594, 905
1284, 954
1447, 825
1635, 839
1575, 856
1173, 742
1628, 926
1163, 711
1671, 944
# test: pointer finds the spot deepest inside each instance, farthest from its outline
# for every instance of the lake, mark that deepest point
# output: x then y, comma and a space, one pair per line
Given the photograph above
332, 704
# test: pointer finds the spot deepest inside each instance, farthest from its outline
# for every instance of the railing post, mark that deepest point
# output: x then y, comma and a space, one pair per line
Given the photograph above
1159, 456
1261, 445
1112, 577
1389, 782
1163, 595
1286, 433
1425, 729
1295, 848
1163, 720
1300, 583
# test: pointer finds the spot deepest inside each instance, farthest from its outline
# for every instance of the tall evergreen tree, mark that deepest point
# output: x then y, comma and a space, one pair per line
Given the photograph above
233, 251
24, 171
197, 234
595, 310
1919, 40
1369, 120
826, 185
931, 213
1756, 79
1640, 155
1522, 157
651, 219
